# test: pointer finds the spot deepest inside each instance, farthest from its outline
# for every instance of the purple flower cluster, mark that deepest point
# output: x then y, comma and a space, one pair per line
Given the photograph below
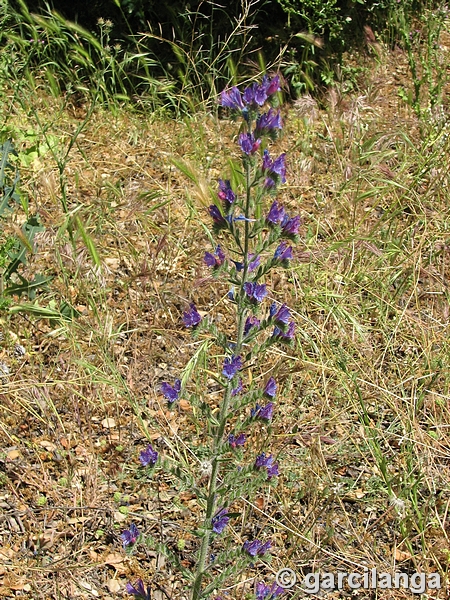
289, 227
138, 590
191, 317
268, 592
255, 291
274, 169
148, 457
225, 192
278, 216
256, 548
231, 365
263, 412
283, 252
171, 392
276, 213
268, 121
218, 219
236, 441
129, 536
266, 462
220, 520
270, 388
254, 95
215, 260
250, 323
280, 316
285, 335
248, 143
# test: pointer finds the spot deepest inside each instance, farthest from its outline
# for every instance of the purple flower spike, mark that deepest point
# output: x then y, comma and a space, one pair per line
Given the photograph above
290, 226
231, 366
225, 192
191, 318
171, 392
255, 291
236, 441
129, 536
138, 590
270, 388
276, 214
256, 548
266, 592
220, 520
273, 310
148, 457
248, 143
219, 221
283, 252
251, 322
232, 99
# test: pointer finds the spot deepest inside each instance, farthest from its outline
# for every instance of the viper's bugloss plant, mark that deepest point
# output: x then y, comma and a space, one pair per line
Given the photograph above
256, 233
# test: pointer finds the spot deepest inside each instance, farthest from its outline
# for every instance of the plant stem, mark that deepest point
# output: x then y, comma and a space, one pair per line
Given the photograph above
223, 415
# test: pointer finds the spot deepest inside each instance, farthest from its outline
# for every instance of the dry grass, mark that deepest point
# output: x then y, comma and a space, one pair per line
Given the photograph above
361, 428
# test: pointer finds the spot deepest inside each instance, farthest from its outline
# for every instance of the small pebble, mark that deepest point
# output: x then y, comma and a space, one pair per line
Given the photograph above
19, 351
4, 372
4, 369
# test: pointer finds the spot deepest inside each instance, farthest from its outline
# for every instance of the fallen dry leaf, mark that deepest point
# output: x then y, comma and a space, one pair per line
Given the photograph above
113, 586
13, 454
114, 558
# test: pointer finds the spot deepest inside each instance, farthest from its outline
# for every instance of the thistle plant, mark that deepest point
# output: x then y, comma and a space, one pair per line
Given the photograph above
253, 234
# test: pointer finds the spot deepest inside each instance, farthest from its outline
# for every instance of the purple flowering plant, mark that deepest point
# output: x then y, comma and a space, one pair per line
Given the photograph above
252, 234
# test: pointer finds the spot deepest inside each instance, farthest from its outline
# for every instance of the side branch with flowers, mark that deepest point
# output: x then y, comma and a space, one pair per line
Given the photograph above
251, 246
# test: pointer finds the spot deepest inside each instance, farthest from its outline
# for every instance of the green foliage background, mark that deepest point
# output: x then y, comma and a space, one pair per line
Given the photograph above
181, 53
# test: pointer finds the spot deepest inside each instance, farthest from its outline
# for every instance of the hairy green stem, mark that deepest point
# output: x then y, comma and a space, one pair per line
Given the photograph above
223, 415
